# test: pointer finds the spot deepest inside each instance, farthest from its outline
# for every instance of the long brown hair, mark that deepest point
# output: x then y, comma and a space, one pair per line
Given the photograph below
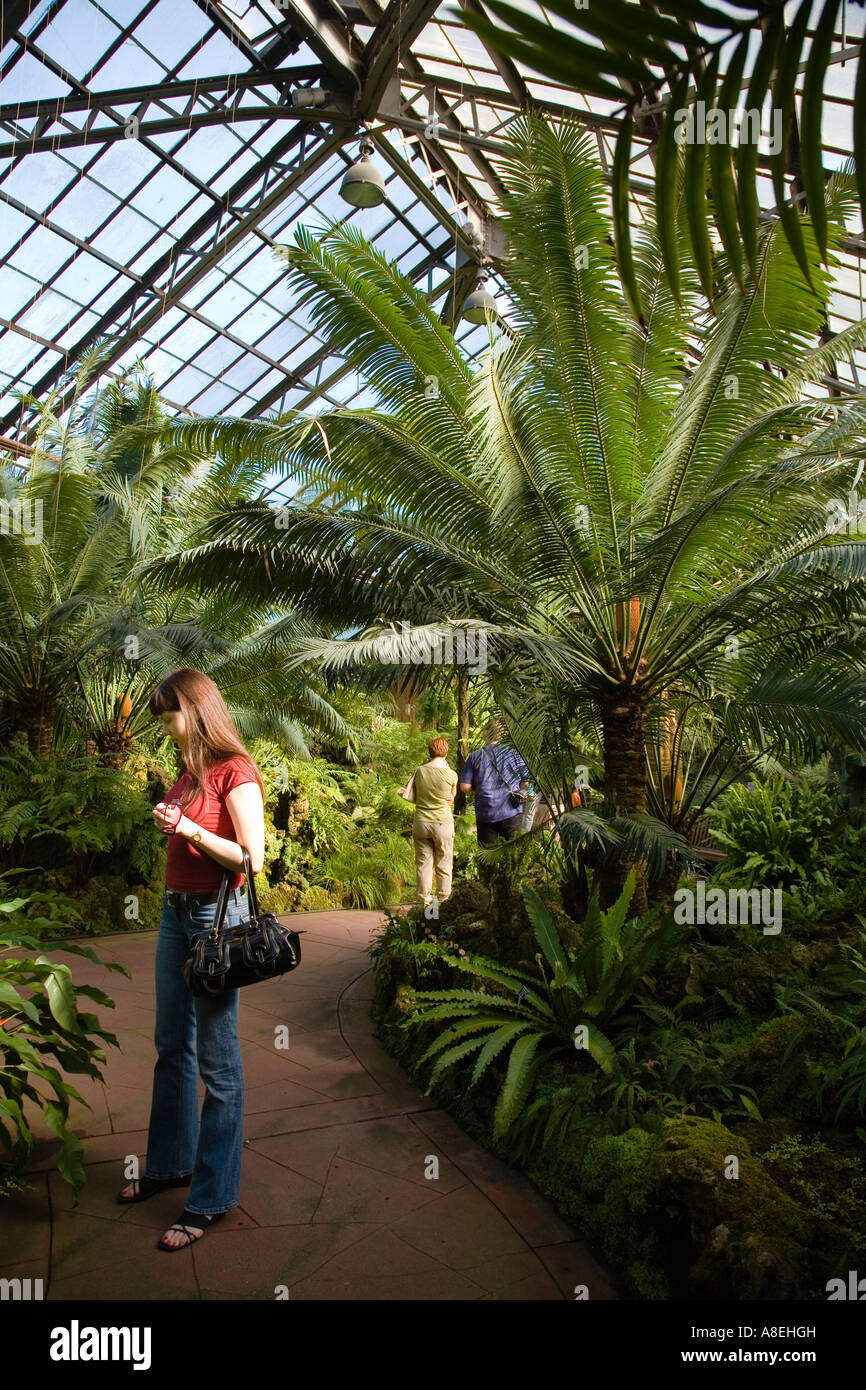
211, 733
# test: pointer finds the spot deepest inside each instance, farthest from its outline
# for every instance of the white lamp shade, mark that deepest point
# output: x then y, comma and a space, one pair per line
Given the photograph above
476, 304
363, 185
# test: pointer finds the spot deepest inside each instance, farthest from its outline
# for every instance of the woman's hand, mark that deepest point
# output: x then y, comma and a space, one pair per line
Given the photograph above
166, 818
165, 815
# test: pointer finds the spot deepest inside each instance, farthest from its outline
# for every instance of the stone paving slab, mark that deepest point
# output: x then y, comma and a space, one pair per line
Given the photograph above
339, 1199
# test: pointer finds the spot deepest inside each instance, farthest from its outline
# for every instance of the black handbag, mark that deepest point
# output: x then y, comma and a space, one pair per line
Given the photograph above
259, 949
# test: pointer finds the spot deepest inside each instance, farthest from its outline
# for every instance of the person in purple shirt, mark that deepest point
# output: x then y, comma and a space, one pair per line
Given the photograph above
493, 773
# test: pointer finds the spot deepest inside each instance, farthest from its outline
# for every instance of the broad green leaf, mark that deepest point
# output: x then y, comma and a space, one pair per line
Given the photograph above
458, 1030
9, 995
61, 998
494, 1045
454, 1054
811, 107
518, 1079
696, 185
599, 1047
666, 186
721, 167
622, 227
71, 1160
545, 931
13, 1110
747, 154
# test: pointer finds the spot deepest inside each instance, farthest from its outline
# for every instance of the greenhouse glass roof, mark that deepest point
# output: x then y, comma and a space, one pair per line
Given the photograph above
152, 155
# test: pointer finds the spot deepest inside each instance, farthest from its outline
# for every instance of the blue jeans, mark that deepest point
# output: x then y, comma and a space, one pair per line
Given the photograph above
192, 1035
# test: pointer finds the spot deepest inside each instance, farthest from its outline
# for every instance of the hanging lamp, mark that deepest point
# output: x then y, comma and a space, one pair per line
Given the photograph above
476, 304
364, 185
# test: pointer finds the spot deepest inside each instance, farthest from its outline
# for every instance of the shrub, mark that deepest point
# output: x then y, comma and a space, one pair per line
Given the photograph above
775, 835
42, 1030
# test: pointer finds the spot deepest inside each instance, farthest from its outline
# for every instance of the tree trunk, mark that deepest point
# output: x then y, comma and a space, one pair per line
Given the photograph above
624, 743
113, 746
462, 736
404, 694
38, 723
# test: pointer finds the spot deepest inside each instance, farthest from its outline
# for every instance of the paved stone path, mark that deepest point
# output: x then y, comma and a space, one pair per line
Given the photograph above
334, 1202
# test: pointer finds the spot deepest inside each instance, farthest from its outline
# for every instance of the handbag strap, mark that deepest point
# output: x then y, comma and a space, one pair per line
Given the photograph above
496, 768
224, 890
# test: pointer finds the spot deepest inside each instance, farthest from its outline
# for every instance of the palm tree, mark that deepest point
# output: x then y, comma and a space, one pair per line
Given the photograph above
652, 61
608, 506
83, 642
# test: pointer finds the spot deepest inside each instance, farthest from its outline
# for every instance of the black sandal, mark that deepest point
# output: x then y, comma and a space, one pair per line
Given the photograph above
189, 1221
148, 1187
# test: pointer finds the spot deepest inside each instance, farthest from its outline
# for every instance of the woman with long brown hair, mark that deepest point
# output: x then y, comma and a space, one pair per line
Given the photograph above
215, 807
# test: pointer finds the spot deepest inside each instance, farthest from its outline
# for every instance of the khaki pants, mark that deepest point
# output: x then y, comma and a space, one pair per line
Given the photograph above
434, 844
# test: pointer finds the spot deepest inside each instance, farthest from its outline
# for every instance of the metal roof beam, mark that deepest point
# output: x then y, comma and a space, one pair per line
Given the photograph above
13, 14
398, 28
168, 261
168, 125
503, 64
427, 196
322, 27
53, 108
218, 17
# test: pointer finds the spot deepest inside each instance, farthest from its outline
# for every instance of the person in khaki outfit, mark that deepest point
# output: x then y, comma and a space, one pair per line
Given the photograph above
432, 787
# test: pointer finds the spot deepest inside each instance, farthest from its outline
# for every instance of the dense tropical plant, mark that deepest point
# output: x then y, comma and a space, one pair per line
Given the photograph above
636, 523
567, 1005
82, 641
635, 51
774, 834
42, 1031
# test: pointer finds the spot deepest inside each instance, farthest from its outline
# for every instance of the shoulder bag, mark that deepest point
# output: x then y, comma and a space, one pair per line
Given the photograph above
517, 796
259, 949
408, 792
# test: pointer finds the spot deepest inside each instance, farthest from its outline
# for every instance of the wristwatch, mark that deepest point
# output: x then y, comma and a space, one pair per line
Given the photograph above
196, 838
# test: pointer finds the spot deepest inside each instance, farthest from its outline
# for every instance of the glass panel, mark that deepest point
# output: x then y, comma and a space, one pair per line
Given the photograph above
172, 29
37, 180
83, 209
47, 313
130, 66
76, 37
42, 253
15, 290
16, 352
29, 79
84, 278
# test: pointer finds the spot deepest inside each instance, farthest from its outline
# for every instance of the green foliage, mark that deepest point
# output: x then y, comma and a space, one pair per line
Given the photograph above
616, 1200
774, 835
85, 830
830, 1182
368, 876
612, 48
570, 468
531, 1018
43, 1029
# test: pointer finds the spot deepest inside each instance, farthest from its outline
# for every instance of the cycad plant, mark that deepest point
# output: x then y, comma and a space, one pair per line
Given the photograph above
83, 640
533, 1018
635, 521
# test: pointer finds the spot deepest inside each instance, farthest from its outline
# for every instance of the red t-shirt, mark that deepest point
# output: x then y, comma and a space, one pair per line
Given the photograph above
188, 868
